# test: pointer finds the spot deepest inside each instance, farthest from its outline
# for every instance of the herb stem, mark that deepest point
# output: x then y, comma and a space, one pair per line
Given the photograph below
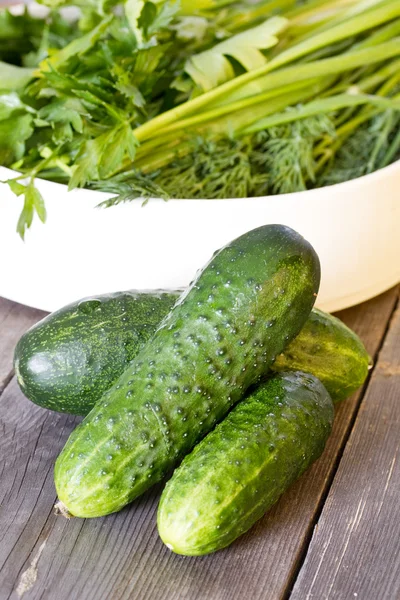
350, 27
233, 123
252, 15
325, 105
238, 105
394, 149
382, 139
326, 66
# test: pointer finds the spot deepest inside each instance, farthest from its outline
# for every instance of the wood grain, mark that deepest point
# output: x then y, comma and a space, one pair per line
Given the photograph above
15, 319
120, 556
29, 442
355, 549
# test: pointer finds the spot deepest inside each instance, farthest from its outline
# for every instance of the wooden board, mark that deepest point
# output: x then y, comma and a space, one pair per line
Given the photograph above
120, 556
355, 551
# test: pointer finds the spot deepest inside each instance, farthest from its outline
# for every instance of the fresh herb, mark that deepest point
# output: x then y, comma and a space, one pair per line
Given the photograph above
277, 160
199, 99
371, 147
33, 202
212, 67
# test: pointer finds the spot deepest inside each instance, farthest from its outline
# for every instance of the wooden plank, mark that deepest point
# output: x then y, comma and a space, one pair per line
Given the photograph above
120, 556
15, 319
29, 442
355, 548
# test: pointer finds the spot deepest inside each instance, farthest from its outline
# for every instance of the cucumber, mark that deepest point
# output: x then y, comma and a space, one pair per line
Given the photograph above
98, 337
70, 358
240, 470
331, 351
220, 338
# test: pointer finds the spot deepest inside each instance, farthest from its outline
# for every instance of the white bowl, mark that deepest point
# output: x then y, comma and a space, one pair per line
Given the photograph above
81, 250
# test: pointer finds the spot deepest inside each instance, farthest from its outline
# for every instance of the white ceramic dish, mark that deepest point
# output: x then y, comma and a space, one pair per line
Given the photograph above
81, 250
355, 228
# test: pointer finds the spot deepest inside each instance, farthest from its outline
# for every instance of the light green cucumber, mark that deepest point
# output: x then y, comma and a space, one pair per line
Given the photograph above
331, 351
240, 469
242, 310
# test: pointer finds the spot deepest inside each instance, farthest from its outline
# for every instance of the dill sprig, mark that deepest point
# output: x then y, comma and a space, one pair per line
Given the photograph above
366, 150
278, 160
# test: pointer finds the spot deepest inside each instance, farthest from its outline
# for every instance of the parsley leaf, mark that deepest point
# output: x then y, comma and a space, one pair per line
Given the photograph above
33, 202
212, 67
14, 132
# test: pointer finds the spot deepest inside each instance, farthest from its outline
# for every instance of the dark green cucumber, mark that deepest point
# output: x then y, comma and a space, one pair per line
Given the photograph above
240, 470
68, 360
220, 338
331, 351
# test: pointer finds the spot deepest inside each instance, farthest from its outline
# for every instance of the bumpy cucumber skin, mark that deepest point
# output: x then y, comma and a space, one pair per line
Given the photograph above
241, 311
70, 358
328, 349
240, 469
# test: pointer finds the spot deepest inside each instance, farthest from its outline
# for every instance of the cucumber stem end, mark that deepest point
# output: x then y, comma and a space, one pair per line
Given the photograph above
61, 509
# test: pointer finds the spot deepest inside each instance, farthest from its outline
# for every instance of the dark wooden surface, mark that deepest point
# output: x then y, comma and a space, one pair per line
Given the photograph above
334, 534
